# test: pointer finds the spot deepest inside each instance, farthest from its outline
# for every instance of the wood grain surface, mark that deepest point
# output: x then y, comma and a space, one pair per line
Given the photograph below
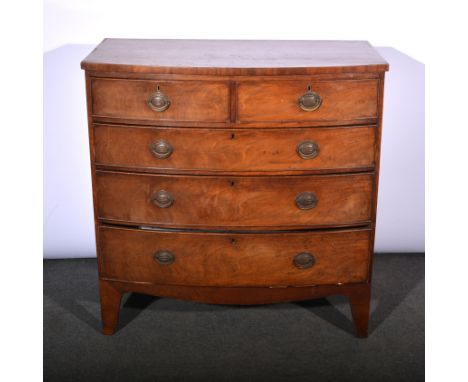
278, 100
221, 202
234, 124
190, 100
227, 259
233, 57
247, 150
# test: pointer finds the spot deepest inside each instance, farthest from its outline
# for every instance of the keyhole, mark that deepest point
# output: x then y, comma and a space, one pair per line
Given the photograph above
232, 183
233, 136
308, 88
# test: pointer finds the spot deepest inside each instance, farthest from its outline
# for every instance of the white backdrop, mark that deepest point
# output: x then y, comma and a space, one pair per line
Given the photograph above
72, 32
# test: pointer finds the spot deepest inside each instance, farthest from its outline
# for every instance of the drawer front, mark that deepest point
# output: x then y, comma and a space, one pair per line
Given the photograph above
219, 259
338, 101
229, 202
188, 100
235, 150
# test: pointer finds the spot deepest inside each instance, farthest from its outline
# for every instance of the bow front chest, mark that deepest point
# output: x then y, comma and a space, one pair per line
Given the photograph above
235, 172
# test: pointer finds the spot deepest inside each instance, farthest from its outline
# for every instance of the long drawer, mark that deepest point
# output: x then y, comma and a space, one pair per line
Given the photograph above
222, 202
226, 259
333, 148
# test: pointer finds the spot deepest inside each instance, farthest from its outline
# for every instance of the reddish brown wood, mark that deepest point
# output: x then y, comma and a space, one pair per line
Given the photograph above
234, 123
230, 259
235, 78
278, 100
234, 57
238, 295
111, 297
189, 100
234, 202
377, 165
238, 124
253, 295
93, 165
177, 171
359, 299
343, 102
221, 150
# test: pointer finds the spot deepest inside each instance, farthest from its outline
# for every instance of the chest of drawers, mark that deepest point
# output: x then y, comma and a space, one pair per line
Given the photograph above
235, 172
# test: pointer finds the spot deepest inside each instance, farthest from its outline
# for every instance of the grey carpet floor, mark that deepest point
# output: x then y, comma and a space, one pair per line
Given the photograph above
169, 340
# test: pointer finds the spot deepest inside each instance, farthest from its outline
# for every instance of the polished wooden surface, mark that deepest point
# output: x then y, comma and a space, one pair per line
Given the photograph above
228, 259
233, 57
246, 150
236, 201
234, 125
344, 102
190, 100
278, 100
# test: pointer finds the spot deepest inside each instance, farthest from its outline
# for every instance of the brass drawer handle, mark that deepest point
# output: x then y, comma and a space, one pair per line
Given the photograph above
164, 257
158, 101
304, 260
310, 101
306, 200
162, 199
161, 149
307, 149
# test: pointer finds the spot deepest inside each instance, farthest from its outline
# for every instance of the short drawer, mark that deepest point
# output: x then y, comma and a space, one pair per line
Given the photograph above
226, 259
291, 149
220, 202
337, 101
159, 101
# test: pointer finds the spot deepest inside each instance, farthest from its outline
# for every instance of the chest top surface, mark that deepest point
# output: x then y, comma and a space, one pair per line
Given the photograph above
234, 57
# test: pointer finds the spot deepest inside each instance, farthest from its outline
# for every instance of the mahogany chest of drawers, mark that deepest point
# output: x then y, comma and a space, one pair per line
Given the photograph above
235, 172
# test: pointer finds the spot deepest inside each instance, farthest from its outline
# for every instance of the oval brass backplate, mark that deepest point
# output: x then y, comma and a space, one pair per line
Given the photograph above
310, 100
304, 260
158, 101
307, 149
164, 257
161, 148
162, 199
306, 200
